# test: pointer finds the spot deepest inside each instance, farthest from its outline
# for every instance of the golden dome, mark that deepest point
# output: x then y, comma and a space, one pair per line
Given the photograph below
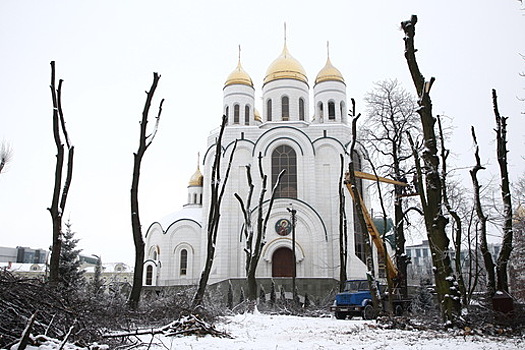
257, 115
285, 67
239, 76
329, 73
197, 178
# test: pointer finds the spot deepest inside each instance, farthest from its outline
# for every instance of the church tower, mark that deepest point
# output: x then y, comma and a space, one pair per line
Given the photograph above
239, 97
330, 95
285, 90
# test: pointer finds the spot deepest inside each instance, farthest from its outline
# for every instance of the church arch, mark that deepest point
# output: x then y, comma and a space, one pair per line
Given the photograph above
331, 110
285, 108
282, 262
285, 158
269, 110
282, 242
184, 255
236, 113
247, 115
149, 275
301, 108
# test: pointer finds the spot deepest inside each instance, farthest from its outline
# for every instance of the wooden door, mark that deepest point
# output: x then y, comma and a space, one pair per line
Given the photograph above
282, 263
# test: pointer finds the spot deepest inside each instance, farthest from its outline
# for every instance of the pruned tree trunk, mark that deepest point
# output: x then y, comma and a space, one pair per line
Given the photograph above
458, 228
253, 249
482, 230
360, 216
382, 259
60, 190
506, 245
145, 141
217, 192
343, 230
435, 221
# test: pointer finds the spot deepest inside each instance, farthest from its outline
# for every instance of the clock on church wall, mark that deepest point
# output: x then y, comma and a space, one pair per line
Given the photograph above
283, 227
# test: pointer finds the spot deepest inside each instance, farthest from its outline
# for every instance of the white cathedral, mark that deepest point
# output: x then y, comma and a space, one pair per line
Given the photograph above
308, 147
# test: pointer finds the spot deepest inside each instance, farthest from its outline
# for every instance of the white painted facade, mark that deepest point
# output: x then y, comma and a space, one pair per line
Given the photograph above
317, 141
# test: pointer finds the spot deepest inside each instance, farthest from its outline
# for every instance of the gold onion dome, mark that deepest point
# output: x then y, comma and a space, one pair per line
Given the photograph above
239, 76
329, 73
196, 178
257, 115
285, 67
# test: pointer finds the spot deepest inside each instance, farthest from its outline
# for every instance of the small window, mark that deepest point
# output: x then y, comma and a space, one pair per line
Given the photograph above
227, 111
236, 112
195, 198
200, 198
301, 109
321, 110
269, 110
247, 115
149, 275
154, 255
285, 106
331, 110
183, 262
343, 112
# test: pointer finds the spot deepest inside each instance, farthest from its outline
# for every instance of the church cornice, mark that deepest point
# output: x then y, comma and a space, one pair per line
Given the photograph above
283, 137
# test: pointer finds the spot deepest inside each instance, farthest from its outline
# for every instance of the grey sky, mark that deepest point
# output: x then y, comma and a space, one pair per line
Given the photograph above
106, 52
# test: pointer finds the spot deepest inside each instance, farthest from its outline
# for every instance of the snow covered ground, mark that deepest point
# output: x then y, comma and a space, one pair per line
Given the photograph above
258, 331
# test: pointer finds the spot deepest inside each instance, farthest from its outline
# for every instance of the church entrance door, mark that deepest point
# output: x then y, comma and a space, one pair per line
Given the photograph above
282, 263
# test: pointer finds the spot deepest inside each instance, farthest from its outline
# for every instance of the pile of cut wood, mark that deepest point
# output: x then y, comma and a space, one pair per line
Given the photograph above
187, 325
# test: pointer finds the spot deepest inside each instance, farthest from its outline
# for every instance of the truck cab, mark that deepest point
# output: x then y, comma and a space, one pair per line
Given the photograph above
354, 300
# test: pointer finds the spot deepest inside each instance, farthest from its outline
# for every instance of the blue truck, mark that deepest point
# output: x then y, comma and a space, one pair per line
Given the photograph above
356, 300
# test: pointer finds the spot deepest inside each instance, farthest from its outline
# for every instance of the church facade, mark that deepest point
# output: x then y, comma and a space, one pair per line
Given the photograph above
287, 137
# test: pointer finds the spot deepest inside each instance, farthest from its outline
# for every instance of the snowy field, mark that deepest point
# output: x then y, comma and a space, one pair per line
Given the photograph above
258, 331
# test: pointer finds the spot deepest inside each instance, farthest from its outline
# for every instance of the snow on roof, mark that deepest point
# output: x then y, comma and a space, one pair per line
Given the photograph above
194, 214
22, 267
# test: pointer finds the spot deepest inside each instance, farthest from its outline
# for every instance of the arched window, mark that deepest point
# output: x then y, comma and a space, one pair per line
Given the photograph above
301, 109
269, 110
284, 157
247, 115
154, 255
200, 198
195, 198
331, 110
236, 113
149, 275
343, 110
227, 111
359, 232
183, 262
285, 107
320, 110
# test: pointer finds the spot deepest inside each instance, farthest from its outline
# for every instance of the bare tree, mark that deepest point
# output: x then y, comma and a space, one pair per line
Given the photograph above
217, 192
61, 188
145, 141
502, 282
517, 260
432, 203
343, 229
6, 154
253, 248
482, 218
391, 114
458, 227
358, 203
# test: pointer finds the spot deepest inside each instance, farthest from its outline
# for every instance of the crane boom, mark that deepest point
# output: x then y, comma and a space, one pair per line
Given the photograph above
370, 226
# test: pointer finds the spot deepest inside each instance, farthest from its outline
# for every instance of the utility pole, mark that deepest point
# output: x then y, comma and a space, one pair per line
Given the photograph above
294, 271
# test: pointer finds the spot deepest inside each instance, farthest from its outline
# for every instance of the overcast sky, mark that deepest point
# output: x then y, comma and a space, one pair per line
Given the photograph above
106, 52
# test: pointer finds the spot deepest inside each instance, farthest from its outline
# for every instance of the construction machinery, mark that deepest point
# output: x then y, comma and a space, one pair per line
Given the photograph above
356, 298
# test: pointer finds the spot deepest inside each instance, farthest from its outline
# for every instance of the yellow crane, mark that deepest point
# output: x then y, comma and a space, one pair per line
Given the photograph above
370, 226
